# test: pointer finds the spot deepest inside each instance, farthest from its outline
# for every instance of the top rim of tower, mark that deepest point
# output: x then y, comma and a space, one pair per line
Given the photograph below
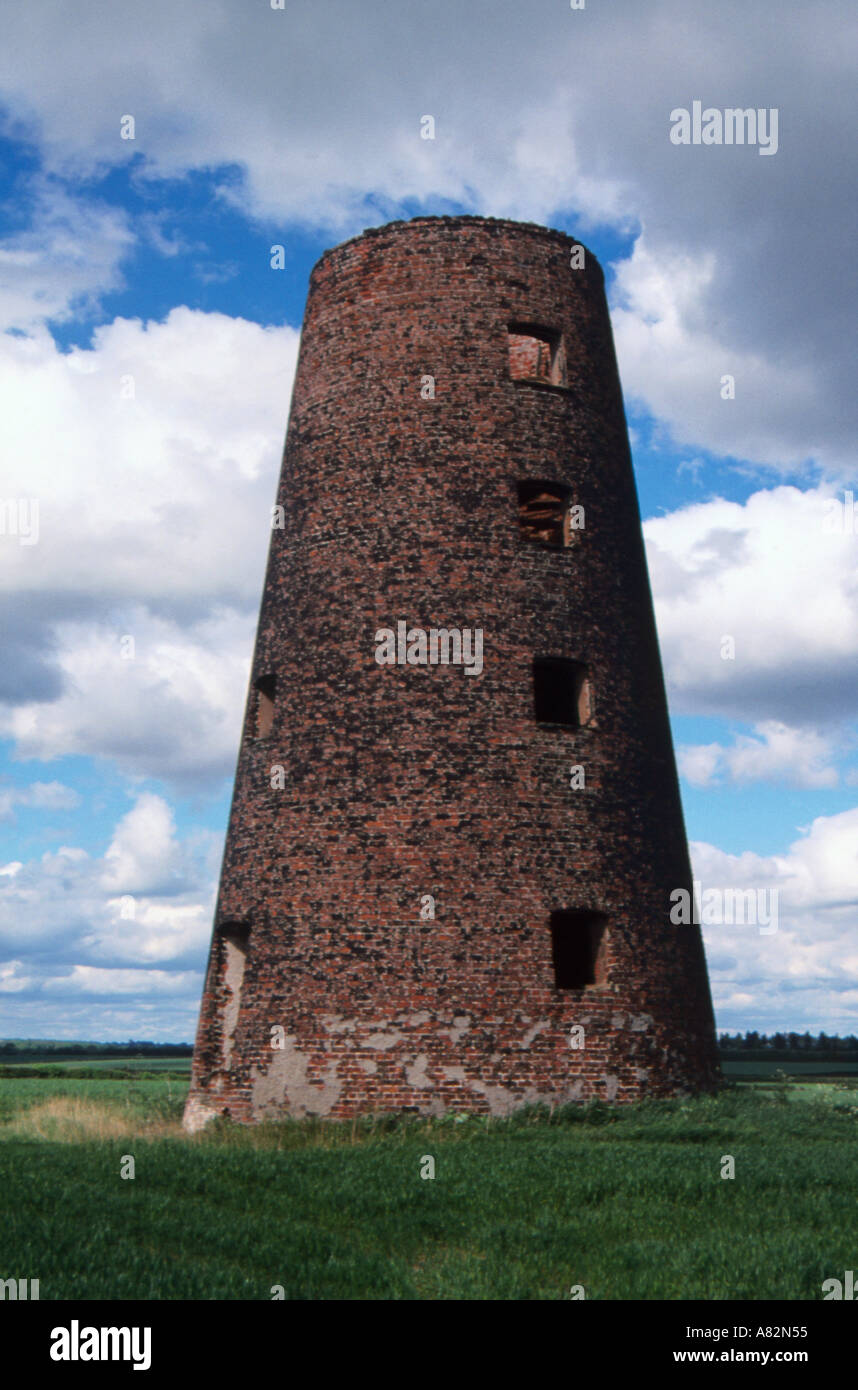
535, 229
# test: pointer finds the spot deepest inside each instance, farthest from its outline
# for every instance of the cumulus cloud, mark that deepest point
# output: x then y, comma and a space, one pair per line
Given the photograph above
153, 456
154, 515
774, 752
772, 577
67, 256
13, 977
42, 796
704, 389
172, 712
90, 980
143, 856
699, 763
312, 115
134, 922
803, 975
147, 889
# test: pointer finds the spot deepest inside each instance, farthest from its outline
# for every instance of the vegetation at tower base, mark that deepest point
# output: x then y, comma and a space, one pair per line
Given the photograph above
444, 888
627, 1200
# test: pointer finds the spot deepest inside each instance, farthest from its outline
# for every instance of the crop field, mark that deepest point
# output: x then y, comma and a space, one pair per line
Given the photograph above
628, 1203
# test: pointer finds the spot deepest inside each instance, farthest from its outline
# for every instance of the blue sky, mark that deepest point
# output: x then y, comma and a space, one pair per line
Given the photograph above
147, 354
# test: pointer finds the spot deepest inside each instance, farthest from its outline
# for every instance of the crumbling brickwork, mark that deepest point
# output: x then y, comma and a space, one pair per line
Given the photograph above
432, 899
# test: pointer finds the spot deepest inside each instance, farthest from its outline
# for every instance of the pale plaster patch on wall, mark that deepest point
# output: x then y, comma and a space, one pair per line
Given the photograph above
502, 1101
533, 1032
285, 1083
416, 1075
460, 1026
381, 1041
235, 957
641, 1022
335, 1023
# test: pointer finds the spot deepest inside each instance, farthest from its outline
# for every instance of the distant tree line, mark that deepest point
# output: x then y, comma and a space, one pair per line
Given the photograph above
33, 1049
783, 1042
788, 1047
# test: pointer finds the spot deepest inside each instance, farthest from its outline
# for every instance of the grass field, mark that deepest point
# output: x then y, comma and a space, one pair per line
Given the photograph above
746, 1070
116, 1068
628, 1203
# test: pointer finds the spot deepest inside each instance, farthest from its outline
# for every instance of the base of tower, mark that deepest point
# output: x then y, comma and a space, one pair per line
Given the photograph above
197, 1115
294, 1085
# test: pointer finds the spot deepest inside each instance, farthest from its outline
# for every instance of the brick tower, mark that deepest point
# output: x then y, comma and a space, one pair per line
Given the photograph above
456, 822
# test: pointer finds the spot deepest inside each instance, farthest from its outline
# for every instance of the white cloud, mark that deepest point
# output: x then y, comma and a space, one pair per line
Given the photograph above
154, 523
804, 975
134, 923
677, 366
143, 856
13, 980
147, 496
174, 712
149, 897
161, 931
776, 752
312, 115
89, 980
699, 763
43, 796
357, 87
66, 257
769, 575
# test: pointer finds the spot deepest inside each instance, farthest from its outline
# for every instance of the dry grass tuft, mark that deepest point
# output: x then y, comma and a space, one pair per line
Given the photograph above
74, 1119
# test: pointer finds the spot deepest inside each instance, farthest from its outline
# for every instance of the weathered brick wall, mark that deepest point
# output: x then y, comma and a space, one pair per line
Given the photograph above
402, 781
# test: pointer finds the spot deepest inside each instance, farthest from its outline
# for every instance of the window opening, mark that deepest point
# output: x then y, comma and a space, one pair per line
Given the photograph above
561, 692
536, 354
265, 688
578, 948
543, 513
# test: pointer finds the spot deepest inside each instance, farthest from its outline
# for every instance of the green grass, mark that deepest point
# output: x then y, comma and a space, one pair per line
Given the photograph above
628, 1202
736, 1069
141, 1095
117, 1068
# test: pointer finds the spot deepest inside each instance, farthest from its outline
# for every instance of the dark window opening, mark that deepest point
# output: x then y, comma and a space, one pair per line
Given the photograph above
543, 513
578, 949
238, 931
561, 692
265, 688
536, 354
